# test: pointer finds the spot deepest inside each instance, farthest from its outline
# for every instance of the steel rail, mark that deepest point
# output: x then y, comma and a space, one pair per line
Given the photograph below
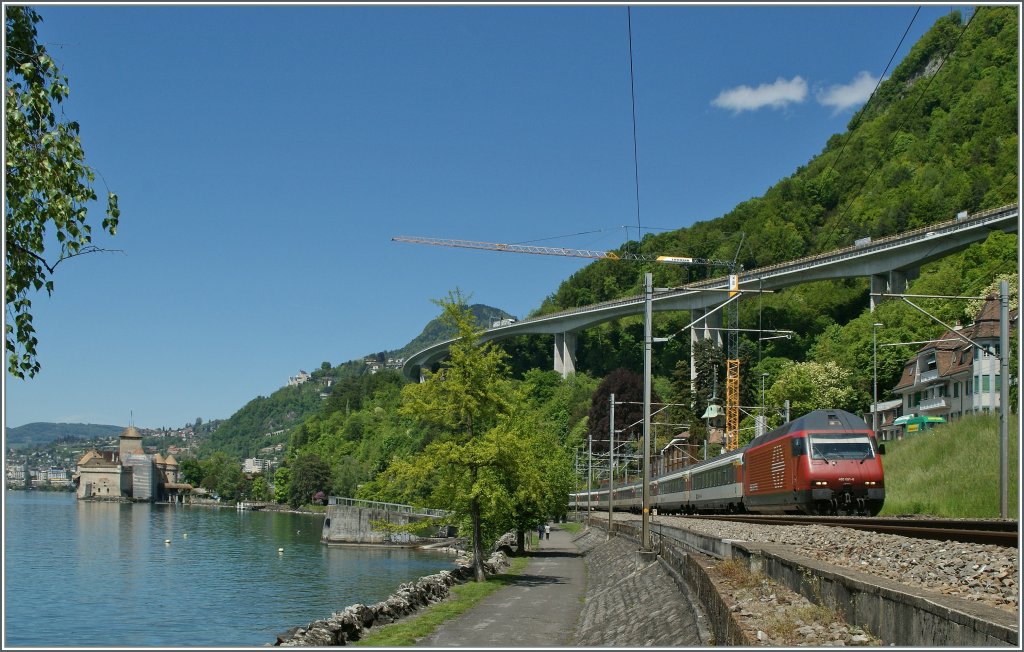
1000, 533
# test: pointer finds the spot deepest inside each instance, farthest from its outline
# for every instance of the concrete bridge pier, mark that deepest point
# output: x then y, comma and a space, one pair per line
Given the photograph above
895, 282
565, 353
708, 327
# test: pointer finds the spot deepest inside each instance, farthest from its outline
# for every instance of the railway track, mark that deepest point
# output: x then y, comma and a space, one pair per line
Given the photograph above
1000, 533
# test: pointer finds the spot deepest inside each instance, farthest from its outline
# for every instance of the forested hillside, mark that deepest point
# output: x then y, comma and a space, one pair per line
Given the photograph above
34, 434
269, 420
939, 136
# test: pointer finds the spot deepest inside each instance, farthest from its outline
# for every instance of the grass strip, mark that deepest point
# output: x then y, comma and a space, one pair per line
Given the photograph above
952, 470
462, 597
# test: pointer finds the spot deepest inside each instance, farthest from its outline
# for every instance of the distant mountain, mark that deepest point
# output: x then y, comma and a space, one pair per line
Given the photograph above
34, 434
435, 331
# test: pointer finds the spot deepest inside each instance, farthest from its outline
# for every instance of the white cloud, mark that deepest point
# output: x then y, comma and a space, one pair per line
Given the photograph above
776, 95
844, 96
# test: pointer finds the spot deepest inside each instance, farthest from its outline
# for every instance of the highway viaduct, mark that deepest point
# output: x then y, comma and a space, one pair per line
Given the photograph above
889, 262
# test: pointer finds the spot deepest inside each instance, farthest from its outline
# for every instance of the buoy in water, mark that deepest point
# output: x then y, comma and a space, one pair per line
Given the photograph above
280, 551
167, 541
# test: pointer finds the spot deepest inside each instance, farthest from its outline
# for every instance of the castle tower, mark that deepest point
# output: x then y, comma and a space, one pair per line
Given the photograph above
131, 443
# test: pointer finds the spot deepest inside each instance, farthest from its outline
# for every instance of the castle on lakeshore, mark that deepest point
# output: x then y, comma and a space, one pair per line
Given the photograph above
129, 473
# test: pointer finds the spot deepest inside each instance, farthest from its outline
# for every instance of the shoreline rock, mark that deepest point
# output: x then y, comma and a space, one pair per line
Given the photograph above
351, 623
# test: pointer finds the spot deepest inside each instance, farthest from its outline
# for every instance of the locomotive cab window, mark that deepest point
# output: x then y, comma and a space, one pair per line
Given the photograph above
840, 447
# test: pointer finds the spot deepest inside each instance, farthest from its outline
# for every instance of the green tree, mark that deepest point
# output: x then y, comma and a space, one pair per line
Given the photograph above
191, 472
811, 386
535, 471
260, 488
48, 184
346, 476
282, 484
310, 474
223, 475
464, 400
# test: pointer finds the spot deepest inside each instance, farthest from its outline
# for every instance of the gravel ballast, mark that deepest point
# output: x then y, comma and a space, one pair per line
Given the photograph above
986, 574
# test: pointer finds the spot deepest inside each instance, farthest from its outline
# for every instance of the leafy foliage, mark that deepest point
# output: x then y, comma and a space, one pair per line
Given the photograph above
48, 184
812, 385
628, 388
464, 402
938, 137
310, 475
438, 330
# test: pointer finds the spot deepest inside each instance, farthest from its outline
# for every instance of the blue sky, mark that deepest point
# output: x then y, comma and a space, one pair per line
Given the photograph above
265, 155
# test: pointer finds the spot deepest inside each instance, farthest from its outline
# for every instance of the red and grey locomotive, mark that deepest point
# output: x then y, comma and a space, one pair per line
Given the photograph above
825, 462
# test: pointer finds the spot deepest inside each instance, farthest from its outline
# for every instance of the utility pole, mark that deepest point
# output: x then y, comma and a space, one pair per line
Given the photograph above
874, 382
590, 457
611, 451
1004, 390
645, 529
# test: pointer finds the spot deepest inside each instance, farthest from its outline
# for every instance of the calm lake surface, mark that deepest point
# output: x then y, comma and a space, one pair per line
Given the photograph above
80, 574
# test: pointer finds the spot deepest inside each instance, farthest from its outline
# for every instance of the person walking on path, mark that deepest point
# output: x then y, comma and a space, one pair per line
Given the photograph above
547, 530
540, 532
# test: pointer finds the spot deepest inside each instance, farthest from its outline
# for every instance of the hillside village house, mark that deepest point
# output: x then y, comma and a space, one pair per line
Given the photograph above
129, 472
950, 377
299, 379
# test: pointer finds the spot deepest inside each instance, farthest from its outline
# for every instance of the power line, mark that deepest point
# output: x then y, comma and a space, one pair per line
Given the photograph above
632, 95
863, 111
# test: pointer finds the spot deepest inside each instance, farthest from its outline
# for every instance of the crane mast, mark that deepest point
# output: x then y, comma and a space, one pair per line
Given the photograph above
732, 377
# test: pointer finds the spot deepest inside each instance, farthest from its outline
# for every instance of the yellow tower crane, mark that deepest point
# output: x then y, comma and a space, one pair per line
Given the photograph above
732, 377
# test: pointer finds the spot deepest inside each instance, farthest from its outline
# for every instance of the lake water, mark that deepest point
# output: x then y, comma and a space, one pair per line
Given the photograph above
80, 574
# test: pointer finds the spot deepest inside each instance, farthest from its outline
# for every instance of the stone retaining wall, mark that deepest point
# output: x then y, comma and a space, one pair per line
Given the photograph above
692, 568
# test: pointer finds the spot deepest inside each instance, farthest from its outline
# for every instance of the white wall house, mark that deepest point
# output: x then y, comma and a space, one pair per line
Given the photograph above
949, 377
256, 465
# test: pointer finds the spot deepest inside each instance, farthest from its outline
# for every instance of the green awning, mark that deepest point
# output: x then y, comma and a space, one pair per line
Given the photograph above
713, 411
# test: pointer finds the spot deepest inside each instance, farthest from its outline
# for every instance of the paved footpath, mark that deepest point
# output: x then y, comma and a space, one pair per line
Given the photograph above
583, 590
538, 609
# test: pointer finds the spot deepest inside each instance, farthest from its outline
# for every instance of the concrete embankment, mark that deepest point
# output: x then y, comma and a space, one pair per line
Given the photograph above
894, 613
630, 602
362, 525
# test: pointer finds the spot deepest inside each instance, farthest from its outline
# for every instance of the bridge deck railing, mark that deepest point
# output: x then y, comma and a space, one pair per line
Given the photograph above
391, 507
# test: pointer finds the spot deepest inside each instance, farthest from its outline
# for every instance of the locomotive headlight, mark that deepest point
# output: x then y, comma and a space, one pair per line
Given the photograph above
821, 483
870, 483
